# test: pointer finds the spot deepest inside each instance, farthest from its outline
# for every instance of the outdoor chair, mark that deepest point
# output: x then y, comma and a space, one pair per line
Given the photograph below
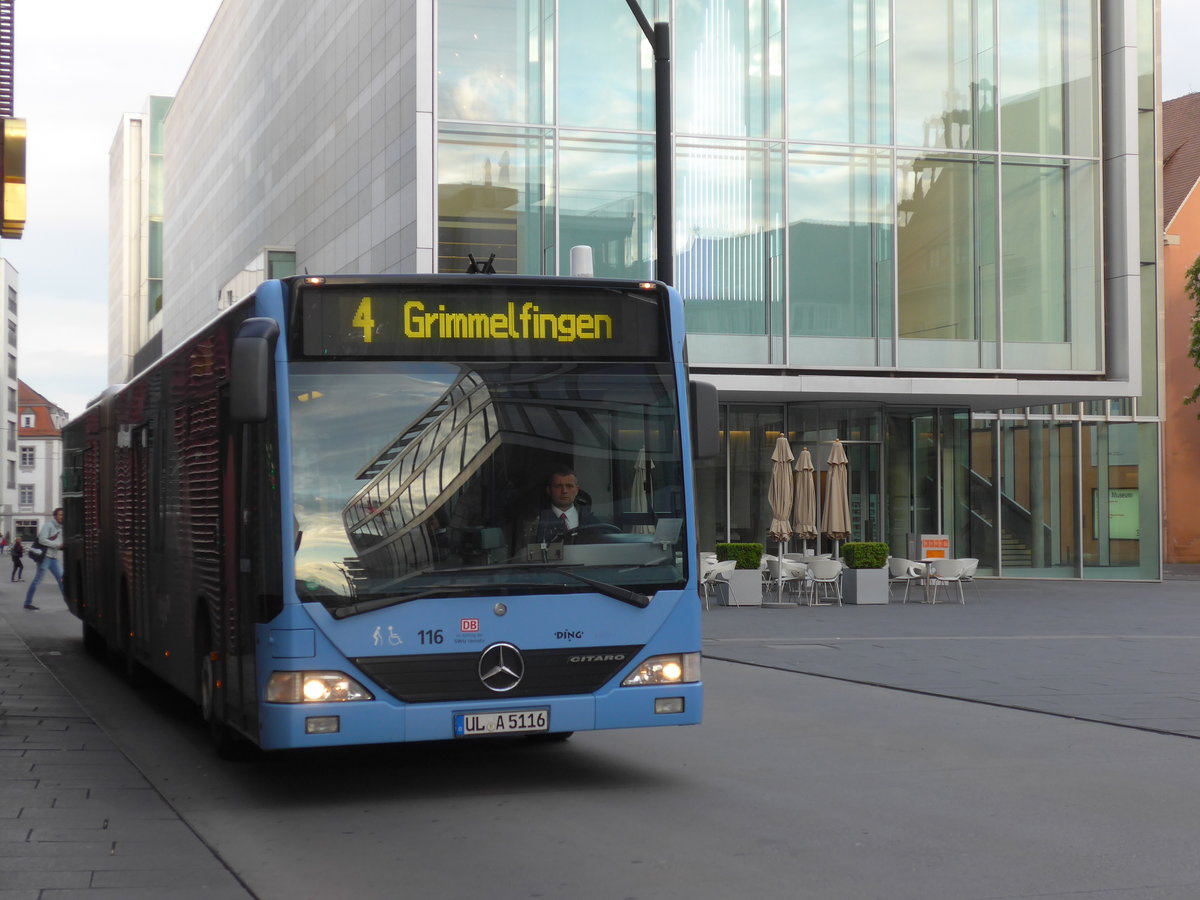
714, 576
825, 576
792, 578
945, 572
904, 570
968, 575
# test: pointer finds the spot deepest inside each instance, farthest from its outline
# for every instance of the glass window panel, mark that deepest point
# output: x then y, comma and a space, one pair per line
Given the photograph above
158, 112
606, 67
751, 438
1148, 403
155, 185
494, 197
154, 249
1035, 245
839, 238
839, 64
1120, 492
724, 82
490, 59
727, 223
155, 297
942, 201
945, 75
1038, 503
1048, 53
606, 201
1083, 76
281, 263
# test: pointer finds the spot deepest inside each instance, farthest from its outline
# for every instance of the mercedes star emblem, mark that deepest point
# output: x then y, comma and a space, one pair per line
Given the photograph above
501, 667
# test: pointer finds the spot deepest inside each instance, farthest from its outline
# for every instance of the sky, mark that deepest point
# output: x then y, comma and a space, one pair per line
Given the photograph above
80, 65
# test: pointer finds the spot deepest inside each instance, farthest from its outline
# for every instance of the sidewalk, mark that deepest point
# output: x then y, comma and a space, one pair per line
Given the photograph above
1114, 652
77, 818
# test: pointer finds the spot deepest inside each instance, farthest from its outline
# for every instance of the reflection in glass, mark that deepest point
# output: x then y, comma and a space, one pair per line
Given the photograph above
606, 202
606, 67
727, 68
839, 235
402, 470
1048, 76
945, 74
493, 187
1035, 288
492, 58
942, 201
1038, 503
839, 62
1052, 277
728, 235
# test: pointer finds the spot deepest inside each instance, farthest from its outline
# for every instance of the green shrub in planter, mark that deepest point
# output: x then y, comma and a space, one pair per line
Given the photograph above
748, 556
865, 554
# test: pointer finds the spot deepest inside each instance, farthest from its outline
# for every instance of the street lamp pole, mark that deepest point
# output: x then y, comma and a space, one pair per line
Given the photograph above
659, 36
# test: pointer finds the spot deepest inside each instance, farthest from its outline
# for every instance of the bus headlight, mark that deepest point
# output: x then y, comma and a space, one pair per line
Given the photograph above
314, 687
671, 668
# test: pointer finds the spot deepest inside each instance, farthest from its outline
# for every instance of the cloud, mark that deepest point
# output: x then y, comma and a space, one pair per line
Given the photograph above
66, 361
1180, 31
79, 66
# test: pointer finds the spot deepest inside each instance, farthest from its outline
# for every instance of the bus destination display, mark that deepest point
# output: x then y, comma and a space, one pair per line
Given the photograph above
449, 322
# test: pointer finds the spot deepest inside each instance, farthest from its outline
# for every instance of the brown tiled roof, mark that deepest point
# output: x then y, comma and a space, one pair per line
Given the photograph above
1181, 151
43, 423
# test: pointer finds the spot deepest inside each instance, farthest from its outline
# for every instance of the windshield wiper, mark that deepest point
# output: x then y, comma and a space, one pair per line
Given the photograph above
362, 606
625, 595
616, 592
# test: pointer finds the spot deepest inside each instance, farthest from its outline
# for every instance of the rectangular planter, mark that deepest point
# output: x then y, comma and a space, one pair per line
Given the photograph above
864, 586
745, 587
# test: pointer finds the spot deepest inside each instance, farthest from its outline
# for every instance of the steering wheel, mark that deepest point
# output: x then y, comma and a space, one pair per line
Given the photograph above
591, 529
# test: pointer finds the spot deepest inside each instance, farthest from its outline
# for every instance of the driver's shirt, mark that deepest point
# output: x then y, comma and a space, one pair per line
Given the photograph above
571, 513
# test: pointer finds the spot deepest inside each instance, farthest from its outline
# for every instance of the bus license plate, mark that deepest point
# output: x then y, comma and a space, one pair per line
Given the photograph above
516, 721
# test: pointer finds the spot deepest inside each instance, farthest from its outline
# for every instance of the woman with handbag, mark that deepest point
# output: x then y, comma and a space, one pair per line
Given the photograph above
49, 536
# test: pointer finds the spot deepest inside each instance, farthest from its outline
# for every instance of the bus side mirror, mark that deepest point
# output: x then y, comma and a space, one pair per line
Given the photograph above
250, 370
705, 419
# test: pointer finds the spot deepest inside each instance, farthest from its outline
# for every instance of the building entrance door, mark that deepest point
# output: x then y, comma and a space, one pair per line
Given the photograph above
866, 520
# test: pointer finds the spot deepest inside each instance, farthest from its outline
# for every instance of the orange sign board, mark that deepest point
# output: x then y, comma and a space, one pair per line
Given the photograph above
935, 546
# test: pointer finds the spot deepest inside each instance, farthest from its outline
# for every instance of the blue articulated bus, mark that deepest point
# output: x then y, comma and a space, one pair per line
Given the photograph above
326, 517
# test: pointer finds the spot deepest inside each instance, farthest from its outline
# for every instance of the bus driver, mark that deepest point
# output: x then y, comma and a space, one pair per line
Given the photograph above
564, 514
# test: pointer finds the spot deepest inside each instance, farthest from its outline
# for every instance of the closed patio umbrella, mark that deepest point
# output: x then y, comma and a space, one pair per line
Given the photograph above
780, 498
835, 518
639, 492
804, 504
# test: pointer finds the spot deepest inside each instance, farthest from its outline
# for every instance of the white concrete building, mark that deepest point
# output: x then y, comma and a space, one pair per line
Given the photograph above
39, 461
135, 233
9, 285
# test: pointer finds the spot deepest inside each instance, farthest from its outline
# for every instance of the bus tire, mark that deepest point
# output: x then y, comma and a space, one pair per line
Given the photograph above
93, 641
551, 737
227, 743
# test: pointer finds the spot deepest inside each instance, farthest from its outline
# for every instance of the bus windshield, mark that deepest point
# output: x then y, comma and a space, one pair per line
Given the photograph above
413, 479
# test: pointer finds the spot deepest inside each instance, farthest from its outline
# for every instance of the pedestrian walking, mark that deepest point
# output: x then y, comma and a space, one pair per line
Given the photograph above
50, 537
17, 551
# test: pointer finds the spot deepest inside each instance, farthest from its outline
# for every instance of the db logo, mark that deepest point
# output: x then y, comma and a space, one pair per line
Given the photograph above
470, 625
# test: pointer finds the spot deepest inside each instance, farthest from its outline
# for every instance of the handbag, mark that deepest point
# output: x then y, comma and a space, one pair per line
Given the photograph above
37, 552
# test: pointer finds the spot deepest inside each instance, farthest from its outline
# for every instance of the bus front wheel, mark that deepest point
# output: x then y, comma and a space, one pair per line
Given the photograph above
227, 743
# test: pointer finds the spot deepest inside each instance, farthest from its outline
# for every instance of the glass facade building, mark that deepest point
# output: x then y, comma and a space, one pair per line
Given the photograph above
862, 188
926, 229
